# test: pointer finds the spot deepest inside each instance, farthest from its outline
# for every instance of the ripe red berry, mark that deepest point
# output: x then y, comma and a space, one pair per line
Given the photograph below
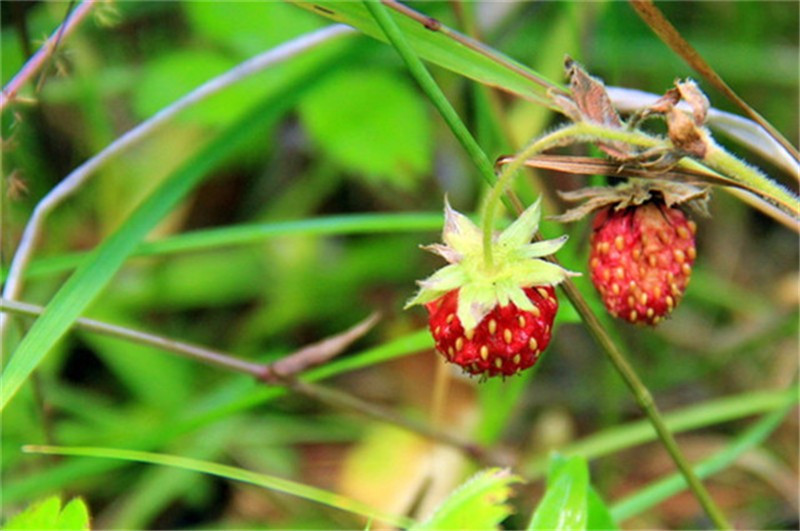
492, 317
641, 260
506, 341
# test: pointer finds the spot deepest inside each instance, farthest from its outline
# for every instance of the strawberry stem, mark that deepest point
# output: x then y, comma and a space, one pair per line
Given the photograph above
562, 136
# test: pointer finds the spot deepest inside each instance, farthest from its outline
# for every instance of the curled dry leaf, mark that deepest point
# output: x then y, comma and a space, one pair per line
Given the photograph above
318, 353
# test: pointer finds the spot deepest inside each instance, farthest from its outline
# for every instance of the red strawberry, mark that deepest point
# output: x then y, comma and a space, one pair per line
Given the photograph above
492, 320
641, 259
506, 341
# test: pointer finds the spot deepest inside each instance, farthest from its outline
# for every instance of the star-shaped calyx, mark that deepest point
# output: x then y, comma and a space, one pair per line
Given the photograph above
516, 265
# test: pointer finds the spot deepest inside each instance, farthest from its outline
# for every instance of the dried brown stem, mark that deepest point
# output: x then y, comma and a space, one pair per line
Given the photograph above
42, 56
267, 373
672, 38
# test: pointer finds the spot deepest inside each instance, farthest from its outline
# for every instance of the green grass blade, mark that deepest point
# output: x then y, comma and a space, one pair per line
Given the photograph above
673, 484
707, 414
237, 474
97, 270
244, 234
439, 47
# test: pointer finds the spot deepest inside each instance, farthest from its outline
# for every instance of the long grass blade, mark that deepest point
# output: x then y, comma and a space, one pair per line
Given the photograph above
233, 473
97, 270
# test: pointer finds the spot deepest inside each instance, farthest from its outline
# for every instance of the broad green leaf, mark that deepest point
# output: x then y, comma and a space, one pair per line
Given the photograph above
564, 505
249, 27
98, 268
48, 514
233, 473
372, 123
442, 50
480, 503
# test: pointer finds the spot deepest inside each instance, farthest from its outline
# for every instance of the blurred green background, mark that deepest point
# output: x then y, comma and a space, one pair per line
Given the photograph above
354, 135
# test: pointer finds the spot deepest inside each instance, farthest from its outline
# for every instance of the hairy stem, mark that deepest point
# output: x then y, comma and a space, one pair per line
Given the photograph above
44, 53
566, 135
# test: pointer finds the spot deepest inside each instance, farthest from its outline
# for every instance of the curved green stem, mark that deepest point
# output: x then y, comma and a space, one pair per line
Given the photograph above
567, 135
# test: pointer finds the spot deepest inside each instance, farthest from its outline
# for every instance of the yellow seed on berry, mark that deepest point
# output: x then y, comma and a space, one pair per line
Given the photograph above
459, 344
498, 363
619, 242
507, 336
633, 315
521, 321
484, 352
680, 257
533, 344
542, 292
615, 288
469, 334
691, 252
643, 298
516, 359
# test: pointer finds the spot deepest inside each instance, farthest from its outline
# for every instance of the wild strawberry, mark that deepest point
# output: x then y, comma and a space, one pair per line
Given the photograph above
492, 320
507, 340
641, 260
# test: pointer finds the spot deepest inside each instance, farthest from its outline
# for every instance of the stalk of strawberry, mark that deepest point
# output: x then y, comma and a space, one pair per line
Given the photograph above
496, 319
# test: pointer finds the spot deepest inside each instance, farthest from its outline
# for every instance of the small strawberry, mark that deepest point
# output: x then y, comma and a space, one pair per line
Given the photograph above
492, 321
641, 260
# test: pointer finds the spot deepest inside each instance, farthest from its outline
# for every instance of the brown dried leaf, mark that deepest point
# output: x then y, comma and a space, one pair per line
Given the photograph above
318, 353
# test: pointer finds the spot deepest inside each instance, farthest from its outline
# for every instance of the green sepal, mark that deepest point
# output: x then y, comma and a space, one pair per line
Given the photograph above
517, 265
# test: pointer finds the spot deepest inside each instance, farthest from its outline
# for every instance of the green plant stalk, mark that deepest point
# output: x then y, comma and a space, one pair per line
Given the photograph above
432, 90
640, 392
645, 401
237, 474
719, 159
669, 486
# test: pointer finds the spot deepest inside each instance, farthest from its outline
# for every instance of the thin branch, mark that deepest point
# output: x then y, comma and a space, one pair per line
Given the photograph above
75, 180
277, 373
595, 166
743, 130
672, 38
41, 57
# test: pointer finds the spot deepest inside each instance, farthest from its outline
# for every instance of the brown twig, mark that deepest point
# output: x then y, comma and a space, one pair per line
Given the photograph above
672, 38
277, 373
44, 53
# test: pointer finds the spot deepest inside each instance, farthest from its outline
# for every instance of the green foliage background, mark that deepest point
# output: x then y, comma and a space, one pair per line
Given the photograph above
339, 131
